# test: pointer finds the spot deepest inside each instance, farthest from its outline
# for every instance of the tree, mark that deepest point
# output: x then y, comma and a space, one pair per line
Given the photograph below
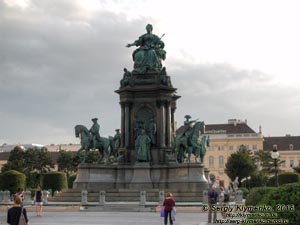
15, 160
264, 160
240, 164
38, 160
297, 169
65, 162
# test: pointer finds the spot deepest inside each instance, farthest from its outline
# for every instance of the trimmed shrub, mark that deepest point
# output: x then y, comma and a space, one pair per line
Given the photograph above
33, 179
285, 200
245, 191
258, 179
256, 194
288, 177
12, 180
284, 178
272, 181
56, 181
71, 180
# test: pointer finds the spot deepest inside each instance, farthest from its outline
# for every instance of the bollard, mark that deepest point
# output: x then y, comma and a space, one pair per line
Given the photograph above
161, 197
84, 200
6, 196
102, 197
205, 197
239, 197
27, 197
45, 196
143, 198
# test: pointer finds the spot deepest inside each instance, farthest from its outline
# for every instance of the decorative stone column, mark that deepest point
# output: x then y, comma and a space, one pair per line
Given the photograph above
127, 125
122, 125
27, 197
102, 197
161, 197
239, 197
205, 197
168, 124
6, 196
162, 124
45, 196
143, 198
84, 200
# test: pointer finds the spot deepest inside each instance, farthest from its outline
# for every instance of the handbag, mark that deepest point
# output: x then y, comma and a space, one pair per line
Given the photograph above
173, 213
162, 212
22, 220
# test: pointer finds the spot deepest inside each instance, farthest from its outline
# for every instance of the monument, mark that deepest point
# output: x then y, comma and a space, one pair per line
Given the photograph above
149, 155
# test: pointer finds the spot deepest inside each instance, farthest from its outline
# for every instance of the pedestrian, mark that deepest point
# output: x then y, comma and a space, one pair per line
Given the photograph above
17, 213
169, 204
222, 200
212, 196
20, 193
38, 199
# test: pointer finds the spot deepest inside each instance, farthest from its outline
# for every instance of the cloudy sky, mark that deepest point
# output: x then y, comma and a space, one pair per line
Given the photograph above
62, 60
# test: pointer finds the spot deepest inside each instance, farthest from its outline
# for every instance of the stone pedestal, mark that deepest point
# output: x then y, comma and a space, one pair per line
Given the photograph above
141, 177
187, 177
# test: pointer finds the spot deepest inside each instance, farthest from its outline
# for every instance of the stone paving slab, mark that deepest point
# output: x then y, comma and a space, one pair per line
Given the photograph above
108, 218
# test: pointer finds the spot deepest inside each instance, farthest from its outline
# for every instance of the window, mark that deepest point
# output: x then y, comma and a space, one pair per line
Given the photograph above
291, 163
291, 147
283, 164
238, 147
221, 161
254, 147
231, 147
220, 148
247, 147
298, 162
211, 161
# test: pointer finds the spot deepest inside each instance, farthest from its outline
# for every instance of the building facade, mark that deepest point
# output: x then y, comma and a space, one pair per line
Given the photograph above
226, 139
289, 150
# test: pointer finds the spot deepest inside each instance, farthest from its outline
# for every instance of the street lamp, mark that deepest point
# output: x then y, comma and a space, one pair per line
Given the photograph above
275, 156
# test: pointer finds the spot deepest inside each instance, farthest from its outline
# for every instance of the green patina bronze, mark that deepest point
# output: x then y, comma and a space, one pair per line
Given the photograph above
190, 142
142, 147
150, 53
115, 143
89, 140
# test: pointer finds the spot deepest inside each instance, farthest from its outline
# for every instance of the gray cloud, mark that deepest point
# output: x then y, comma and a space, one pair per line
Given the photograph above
60, 68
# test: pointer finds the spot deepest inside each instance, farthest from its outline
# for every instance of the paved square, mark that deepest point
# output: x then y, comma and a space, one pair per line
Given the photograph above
109, 218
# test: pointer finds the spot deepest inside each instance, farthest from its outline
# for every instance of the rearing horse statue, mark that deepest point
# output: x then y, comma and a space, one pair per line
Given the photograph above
86, 143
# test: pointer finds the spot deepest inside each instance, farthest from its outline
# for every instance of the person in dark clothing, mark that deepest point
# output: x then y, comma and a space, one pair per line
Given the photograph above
169, 203
38, 201
212, 196
14, 213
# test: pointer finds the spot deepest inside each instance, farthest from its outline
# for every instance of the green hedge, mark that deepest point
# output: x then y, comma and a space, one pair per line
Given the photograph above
288, 177
284, 178
56, 181
12, 180
285, 195
71, 180
33, 179
256, 194
245, 191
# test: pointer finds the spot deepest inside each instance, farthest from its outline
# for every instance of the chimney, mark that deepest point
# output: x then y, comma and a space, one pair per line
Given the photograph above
259, 129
